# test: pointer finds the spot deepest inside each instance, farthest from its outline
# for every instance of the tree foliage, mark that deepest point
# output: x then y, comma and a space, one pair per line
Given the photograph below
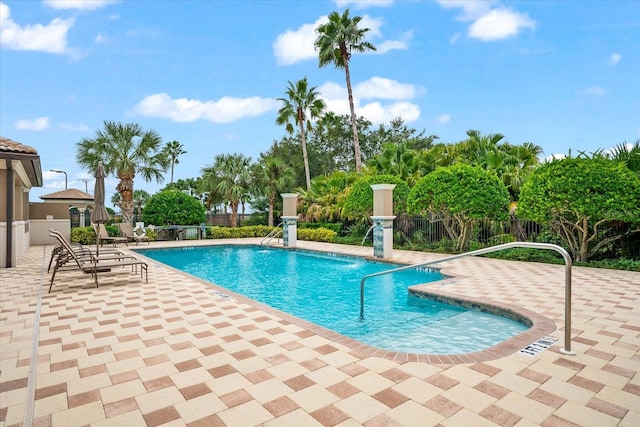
173, 207
459, 196
127, 151
337, 40
359, 200
583, 199
301, 105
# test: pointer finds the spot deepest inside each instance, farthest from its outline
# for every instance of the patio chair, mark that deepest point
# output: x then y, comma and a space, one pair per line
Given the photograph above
103, 236
93, 264
127, 231
82, 251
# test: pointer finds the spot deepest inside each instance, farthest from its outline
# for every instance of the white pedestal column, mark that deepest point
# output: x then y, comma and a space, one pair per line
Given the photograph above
290, 219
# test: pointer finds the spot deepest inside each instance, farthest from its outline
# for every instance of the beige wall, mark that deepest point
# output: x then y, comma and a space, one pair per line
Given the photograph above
40, 230
3, 195
41, 210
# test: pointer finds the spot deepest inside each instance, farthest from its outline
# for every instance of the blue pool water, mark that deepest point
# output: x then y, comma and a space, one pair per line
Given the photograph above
325, 289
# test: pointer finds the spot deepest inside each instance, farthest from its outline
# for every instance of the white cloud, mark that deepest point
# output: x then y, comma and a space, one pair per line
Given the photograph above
100, 38
41, 123
297, 45
444, 119
454, 39
615, 58
488, 23
78, 4
379, 114
50, 38
335, 96
595, 91
362, 4
499, 24
471, 9
381, 88
74, 128
224, 110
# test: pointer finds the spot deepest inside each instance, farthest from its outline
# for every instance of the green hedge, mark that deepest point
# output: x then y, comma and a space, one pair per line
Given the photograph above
335, 226
238, 232
317, 234
312, 234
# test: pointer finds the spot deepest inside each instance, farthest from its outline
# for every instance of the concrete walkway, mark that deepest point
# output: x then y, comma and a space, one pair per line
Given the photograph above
177, 351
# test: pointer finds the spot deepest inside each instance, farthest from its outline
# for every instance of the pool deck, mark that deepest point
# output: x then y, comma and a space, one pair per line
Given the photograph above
176, 351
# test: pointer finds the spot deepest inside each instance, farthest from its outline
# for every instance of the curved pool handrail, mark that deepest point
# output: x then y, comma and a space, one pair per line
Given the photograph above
276, 232
567, 286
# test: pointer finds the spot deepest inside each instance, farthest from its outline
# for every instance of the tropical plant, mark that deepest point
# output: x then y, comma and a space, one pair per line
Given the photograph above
459, 196
336, 41
301, 105
229, 176
271, 178
627, 153
173, 207
325, 201
398, 160
140, 199
584, 200
126, 151
173, 149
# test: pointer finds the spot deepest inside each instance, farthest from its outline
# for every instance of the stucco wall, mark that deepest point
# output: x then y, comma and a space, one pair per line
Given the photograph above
41, 210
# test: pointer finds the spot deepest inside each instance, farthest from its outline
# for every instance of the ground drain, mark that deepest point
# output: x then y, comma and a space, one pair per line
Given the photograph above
538, 346
221, 295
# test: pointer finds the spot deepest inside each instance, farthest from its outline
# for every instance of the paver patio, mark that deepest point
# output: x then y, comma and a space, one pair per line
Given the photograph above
177, 351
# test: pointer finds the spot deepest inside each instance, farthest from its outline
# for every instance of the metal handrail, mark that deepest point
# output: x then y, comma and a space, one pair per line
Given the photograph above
567, 279
273, 233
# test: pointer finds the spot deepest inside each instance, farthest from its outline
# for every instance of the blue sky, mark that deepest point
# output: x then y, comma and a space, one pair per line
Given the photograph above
564, 75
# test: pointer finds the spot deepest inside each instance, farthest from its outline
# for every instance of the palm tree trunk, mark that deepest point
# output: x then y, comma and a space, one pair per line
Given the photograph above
234, 214
125, 188
305, 158
271, 202
354, 124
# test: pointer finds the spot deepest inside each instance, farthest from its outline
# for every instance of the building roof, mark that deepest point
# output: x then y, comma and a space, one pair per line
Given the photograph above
27, 156
8, 145
72, 194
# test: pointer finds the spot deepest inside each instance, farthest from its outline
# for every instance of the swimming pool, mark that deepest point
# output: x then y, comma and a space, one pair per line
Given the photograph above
325, 289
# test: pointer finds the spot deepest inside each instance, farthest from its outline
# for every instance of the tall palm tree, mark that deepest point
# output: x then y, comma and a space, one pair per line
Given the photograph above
174, 149
126, 151
140, 198
301, 106
231, 174
336, 40
272, 177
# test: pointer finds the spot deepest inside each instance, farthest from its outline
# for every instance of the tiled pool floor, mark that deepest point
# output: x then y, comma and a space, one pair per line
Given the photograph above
176, 352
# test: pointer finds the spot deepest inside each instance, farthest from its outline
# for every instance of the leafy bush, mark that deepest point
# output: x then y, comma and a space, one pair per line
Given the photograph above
459, 196
317, 234
584, 200
335, 226
237, 232
83, 235
173, 207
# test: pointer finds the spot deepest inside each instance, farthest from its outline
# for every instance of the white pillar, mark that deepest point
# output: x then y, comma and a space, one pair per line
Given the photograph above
383, 220
290, 219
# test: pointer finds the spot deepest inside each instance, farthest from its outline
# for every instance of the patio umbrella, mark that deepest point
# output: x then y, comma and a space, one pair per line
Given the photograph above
99, 214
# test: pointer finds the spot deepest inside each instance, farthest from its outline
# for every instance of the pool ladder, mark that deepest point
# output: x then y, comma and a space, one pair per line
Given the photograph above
273, 234
567, 279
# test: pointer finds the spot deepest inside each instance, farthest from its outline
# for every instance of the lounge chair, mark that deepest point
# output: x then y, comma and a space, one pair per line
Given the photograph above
83, 251
91, 264
127, 231
103, 236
